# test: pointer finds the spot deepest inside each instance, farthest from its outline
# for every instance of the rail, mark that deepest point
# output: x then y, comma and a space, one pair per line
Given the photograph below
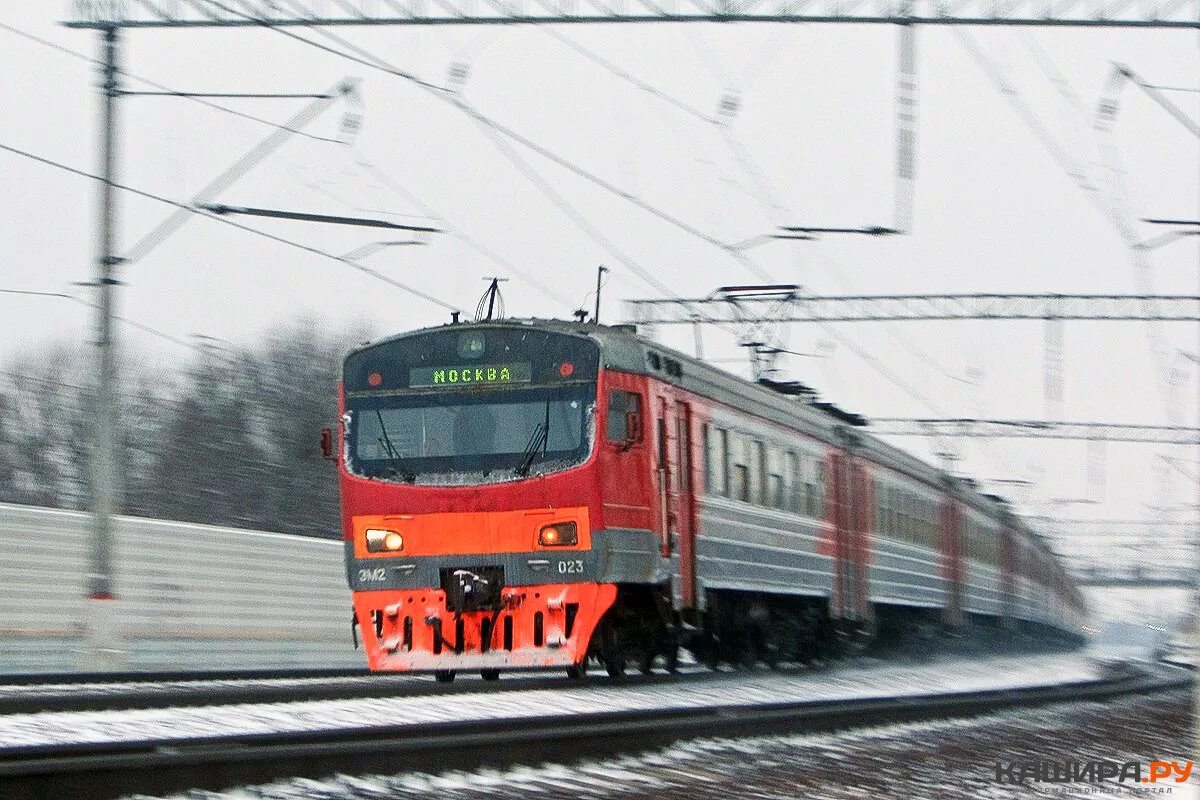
157, 765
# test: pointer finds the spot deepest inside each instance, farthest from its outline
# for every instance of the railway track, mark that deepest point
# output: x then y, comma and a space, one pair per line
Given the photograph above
515, 729
35, 693
206, 691
163, 676
200, 690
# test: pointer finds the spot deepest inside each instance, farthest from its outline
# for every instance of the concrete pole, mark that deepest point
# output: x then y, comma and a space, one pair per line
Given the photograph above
102, 646
1196, 599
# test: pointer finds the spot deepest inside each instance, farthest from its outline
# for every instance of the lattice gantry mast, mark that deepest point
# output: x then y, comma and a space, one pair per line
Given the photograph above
240, 13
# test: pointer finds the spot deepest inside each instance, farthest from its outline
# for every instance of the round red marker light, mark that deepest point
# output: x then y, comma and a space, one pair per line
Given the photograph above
566, 368
374, 379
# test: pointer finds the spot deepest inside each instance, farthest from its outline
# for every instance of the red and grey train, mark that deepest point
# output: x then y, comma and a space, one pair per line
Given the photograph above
538, 493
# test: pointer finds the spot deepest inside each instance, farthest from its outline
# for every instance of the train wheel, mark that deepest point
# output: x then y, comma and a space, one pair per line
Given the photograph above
610, 651
577, 672
646, 662
490, 674
443, 675
672, 659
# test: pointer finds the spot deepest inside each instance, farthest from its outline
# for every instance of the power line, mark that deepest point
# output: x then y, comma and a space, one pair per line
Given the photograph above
290, 243
130, 322
215, 106
574, 214
626, 76
470, 241
442, 93
493, 130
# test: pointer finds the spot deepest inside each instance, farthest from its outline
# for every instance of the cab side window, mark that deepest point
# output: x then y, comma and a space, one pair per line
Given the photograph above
623, 423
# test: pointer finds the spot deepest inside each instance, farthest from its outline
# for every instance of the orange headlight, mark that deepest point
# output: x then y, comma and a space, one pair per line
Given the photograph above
380, 540
560, 534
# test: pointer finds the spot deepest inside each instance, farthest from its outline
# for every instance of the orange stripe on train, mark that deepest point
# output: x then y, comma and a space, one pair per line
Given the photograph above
469, 532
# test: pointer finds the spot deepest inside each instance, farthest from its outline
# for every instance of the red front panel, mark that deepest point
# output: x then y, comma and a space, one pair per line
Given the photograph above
548, 625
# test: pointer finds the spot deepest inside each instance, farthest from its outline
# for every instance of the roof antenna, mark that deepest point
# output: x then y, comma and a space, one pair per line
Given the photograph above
491, 305
599, 277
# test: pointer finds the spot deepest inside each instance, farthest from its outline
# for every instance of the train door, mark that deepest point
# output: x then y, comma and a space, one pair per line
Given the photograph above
684, 505
1008, 557
666, 492
860, 528
952, 531
840, 605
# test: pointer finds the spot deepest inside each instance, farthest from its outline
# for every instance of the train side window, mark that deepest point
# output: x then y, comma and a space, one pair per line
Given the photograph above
795, 483
740, 479
758, 468
775, 496
683, 447
820, 489
624, 422
889, 511
715, 460
906, 522
739, 471
810, 488
893, 496
877, 492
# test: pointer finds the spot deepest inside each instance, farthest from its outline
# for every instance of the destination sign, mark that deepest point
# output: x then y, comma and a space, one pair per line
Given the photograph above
484, 374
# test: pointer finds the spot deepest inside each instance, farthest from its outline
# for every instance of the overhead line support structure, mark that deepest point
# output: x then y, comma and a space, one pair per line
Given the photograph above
102, 643
362, 13
1035, 429
722, 309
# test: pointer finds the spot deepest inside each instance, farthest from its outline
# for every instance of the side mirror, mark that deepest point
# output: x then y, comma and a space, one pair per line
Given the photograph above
327, 444
633, 428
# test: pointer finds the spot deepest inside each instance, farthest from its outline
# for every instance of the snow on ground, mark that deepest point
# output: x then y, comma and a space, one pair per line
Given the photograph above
842, 682
944, 759
167, 687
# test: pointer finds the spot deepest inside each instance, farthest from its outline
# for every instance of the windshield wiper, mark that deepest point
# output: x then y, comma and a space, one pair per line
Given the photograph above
539, 439
398, 467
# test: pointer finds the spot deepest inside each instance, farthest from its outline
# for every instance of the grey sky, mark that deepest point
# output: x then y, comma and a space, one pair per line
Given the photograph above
994, 211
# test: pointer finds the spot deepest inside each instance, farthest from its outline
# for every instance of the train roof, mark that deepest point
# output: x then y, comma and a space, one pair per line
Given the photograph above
623, 348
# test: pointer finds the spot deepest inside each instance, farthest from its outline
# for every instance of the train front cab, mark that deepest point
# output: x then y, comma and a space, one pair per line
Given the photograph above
488, 554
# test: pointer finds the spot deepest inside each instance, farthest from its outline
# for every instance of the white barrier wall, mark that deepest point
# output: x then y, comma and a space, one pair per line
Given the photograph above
189, 596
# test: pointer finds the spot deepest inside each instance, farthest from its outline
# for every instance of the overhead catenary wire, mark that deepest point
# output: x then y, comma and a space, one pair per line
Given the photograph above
1113, 211
579, 219
627, 76
495, 131
767, 193
264, 234
471, 242
126, 320
133, 76
362, 56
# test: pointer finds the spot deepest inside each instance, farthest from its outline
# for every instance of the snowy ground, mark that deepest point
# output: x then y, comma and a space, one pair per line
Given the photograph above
168, 687
858, 680
947, 760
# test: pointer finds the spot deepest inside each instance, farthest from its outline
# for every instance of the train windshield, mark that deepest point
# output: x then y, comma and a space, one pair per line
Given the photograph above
466, 407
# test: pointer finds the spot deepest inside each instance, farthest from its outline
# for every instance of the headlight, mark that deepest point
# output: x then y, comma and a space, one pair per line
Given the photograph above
381, 540
559, 534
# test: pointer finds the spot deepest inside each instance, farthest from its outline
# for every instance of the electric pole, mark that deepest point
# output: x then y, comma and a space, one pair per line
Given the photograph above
102, 640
